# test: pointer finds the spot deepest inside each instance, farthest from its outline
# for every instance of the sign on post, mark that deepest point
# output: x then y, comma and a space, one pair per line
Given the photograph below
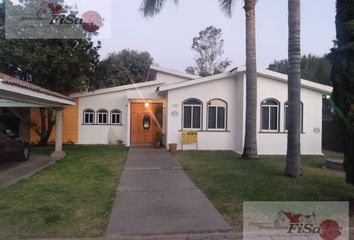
189, 137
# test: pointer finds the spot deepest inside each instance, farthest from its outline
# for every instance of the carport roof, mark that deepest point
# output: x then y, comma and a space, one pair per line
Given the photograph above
23, 84
17, 92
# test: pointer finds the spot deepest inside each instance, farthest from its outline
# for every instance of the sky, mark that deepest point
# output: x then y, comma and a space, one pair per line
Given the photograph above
168, 36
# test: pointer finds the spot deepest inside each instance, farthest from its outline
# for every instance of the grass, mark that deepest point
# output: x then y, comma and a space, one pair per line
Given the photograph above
228, 180
72, 198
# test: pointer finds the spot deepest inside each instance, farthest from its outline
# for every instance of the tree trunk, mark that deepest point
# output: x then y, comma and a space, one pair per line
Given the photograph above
293, 158
250, 147
46, 127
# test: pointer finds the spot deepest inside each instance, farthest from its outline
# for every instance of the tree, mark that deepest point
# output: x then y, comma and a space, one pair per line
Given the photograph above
124, 67
2, 18
342, 60
293, 157
62, 65
153, 7
313, 68
209, 47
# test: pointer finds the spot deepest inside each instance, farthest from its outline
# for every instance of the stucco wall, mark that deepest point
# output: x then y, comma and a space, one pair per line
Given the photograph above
229, 90
276, 143
168, 78
144, 93
109, 134
103, 134
70, 124
233, 92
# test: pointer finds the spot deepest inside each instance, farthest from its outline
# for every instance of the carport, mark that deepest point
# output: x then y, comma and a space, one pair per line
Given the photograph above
16, 93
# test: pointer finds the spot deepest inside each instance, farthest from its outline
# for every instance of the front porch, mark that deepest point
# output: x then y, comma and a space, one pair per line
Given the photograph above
147, 122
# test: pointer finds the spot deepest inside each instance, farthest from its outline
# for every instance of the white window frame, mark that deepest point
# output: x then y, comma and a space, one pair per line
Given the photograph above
216, 119
114, 113
102, 112
89, 112
200, 106
269, 106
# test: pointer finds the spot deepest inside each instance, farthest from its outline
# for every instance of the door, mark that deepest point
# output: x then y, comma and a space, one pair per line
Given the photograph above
146, 122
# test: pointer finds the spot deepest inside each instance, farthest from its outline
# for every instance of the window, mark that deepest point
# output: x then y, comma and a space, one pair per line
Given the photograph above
192, 114
217, 114
89, 116
270, 115
102, 116
301, 116
116, 117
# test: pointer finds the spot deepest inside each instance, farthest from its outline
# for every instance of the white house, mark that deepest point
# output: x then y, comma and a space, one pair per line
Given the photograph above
171, 101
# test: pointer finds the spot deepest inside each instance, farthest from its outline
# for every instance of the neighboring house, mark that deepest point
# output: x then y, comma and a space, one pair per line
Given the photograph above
171, 101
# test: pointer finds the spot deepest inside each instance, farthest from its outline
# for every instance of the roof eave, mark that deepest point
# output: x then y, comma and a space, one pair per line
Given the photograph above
266, 73
15, 93
304, 83
116, 89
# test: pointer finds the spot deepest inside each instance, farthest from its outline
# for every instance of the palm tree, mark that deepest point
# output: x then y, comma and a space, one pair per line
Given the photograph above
153, 7
293, 158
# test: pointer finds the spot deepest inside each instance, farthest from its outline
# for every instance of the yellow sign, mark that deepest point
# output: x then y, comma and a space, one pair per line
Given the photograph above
189, 137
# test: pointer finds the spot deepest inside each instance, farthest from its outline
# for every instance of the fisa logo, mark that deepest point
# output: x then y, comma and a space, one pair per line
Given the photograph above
56, 19
296, 220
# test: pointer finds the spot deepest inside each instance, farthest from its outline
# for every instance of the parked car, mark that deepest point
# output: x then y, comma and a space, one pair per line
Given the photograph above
12, 147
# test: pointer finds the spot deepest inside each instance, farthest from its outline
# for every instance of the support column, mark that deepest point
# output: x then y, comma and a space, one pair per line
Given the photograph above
58, 153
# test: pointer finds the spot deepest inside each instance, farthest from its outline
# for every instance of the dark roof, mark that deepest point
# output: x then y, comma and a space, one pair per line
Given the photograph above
23, 84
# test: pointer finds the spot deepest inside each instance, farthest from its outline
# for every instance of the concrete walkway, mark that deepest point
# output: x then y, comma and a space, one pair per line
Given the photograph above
14, 171
155, 196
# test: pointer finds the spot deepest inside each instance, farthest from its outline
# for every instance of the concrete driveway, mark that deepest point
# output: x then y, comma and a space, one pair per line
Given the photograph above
14, 171
155, 196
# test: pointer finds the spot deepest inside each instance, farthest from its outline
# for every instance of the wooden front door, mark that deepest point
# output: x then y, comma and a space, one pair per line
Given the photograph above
145, 123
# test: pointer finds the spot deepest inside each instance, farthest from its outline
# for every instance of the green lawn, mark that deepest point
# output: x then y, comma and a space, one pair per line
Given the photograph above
227, 180
72, 198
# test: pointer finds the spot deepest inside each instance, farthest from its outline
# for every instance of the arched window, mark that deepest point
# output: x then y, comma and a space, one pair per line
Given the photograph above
102, 116
192, 114
116, 116
89, 116
270, 115
301, 116
217, 110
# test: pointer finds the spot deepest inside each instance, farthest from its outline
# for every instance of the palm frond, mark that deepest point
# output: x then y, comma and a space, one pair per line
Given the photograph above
150, 8
226, 6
